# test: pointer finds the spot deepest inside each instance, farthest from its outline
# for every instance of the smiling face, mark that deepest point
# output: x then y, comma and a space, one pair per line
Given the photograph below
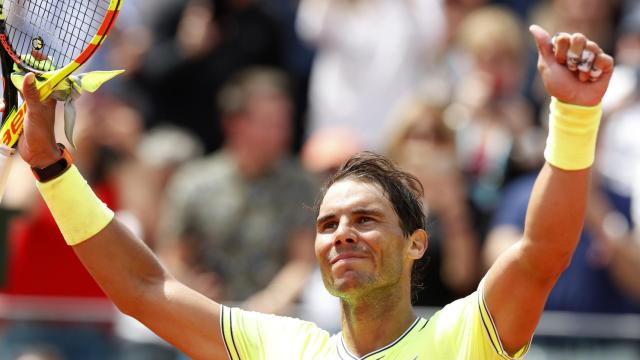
360, 244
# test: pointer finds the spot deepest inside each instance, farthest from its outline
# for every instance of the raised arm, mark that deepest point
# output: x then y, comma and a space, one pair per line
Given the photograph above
123, 266
518, 284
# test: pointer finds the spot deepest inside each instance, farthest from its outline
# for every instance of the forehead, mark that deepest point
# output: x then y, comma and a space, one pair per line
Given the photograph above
349, 194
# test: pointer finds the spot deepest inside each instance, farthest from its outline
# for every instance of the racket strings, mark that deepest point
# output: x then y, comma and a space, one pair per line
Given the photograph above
52, 33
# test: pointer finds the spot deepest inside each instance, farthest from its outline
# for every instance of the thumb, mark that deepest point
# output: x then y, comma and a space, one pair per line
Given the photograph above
29, 90
543, 41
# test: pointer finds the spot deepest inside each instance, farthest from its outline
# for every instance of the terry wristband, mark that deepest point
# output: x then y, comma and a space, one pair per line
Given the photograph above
76, 209
573, 130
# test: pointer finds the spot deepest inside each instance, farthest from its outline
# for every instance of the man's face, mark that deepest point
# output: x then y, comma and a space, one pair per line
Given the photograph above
359, 244
265, 129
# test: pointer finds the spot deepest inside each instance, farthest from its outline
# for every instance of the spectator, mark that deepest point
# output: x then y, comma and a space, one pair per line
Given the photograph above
422, 144
456, 11
495, 132
233, 224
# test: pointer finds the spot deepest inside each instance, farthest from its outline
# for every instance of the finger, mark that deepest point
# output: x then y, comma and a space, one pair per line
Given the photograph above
561, 42
574, 54
587, 59
543, 41
2, 107
29, 90
591, 50
603, 64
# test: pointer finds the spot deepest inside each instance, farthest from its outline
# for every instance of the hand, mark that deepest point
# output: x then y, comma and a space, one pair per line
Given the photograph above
37, 145
563, 76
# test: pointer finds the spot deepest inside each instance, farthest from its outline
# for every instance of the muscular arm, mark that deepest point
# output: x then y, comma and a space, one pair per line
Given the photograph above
121, 264
518, 284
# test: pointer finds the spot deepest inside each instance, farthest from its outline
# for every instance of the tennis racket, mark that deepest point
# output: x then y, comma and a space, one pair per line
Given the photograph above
45, 36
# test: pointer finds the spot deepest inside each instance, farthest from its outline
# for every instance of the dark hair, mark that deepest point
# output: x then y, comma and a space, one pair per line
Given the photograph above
402, 189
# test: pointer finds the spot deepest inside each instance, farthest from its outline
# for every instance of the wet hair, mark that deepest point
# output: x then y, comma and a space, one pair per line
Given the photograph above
403, 190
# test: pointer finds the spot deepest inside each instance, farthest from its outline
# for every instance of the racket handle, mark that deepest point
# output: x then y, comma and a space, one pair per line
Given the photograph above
6, 159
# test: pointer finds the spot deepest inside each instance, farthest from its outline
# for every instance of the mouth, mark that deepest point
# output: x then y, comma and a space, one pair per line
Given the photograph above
346, 256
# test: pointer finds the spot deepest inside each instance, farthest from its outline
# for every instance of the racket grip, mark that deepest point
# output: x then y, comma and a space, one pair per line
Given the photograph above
6, 159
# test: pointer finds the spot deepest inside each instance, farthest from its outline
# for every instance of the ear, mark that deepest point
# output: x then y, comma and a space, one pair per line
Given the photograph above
419, 242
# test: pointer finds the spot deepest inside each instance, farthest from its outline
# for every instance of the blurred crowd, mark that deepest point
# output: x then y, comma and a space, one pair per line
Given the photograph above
214, 143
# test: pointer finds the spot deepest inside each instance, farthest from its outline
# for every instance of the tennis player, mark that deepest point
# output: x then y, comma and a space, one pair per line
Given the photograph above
370, 231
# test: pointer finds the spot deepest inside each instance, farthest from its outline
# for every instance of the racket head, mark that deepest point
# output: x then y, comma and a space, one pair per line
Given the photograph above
105, 13
48, 35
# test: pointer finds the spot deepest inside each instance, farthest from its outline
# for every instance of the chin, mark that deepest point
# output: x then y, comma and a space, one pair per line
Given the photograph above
348, 286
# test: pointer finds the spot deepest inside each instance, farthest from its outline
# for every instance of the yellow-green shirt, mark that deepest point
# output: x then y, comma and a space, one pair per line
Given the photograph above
462, 330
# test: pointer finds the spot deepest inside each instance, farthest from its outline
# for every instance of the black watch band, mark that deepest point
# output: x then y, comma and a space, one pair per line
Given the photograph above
56, 169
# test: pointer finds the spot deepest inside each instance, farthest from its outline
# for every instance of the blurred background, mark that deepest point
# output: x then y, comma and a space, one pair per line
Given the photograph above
214, 143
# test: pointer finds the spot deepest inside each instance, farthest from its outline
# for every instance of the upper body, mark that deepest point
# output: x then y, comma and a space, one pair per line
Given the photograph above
463, 330
237, 215
217, 212
369, 233
498, 136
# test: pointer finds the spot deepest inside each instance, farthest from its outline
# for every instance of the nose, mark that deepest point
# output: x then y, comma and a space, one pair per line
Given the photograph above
344, 234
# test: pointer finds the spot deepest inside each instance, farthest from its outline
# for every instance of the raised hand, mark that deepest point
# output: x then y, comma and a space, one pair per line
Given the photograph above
573, 69
37, 145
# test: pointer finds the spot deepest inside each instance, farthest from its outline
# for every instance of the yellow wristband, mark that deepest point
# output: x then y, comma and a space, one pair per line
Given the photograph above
77, 210
573, 130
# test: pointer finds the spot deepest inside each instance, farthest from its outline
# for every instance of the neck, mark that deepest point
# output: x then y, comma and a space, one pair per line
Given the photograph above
388, 311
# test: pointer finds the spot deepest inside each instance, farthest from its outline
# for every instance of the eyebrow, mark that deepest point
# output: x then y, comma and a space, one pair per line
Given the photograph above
357, 211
